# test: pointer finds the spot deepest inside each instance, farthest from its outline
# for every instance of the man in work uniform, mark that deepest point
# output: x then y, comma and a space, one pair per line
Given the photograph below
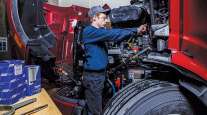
94, 37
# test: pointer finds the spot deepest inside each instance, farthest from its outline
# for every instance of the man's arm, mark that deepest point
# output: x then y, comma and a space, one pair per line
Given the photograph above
142, 29
98, 35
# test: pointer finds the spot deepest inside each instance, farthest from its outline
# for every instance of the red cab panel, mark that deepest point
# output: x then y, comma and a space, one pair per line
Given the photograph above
188, 35
60, 20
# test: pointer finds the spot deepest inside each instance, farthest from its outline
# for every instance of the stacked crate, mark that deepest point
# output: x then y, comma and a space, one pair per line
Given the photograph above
12, 81
18, 81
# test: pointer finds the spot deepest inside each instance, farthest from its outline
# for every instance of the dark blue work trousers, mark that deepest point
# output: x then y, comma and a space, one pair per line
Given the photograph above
94, 84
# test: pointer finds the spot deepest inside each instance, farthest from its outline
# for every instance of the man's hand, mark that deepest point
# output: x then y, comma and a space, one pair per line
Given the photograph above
142, 29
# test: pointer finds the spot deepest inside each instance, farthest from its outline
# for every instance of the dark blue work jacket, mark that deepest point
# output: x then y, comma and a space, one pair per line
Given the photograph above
93, 40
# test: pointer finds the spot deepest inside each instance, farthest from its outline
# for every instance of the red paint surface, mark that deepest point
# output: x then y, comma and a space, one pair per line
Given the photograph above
65, 103
187, 40
57, 18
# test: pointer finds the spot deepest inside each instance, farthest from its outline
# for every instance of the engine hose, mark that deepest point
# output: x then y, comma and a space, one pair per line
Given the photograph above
127, 60
112, 86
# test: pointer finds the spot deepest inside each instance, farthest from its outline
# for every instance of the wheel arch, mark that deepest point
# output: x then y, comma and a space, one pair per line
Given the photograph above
187, 80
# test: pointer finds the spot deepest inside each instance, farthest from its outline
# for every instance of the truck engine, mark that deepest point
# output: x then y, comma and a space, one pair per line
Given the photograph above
128, 54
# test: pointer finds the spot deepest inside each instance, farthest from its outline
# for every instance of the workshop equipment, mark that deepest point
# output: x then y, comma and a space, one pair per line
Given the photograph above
10, 109
128, 16
12, 81
33, 76
42, 99
10, 69
35, 110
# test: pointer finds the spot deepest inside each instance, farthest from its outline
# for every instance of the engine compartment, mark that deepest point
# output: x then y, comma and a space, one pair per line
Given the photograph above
152, 45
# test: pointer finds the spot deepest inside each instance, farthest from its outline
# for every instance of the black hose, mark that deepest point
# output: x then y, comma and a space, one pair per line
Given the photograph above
152, 12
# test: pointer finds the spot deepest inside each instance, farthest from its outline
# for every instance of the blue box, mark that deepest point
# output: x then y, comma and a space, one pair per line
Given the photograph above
18, 67
10, 69
24, 92
33, 76
11, 100
33, 89
6, 72
14, 95
9, 93
5, 86
21, 79
32, 73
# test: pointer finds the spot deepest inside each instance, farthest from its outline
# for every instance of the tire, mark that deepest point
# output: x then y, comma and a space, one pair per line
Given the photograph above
149, 97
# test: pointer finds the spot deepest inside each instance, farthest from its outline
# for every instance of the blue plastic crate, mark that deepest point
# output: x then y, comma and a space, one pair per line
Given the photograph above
4, 94
13, 96
10, 69
33, 89
24, 92
21, 79
33, 76
18, 66
6, 72
32, 73
12, 100
5, 86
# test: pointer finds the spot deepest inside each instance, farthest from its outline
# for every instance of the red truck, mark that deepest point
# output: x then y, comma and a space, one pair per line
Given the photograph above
42, 33
173, 72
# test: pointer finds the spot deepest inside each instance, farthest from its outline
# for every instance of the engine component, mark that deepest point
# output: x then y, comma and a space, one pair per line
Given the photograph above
162, 32
161, 45
159, 57
135, 73
126, 49
128, 16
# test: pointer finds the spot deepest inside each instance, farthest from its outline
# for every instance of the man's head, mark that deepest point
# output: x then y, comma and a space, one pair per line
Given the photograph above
98, 16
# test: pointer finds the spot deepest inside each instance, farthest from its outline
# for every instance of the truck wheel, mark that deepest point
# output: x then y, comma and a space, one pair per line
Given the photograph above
149, 97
